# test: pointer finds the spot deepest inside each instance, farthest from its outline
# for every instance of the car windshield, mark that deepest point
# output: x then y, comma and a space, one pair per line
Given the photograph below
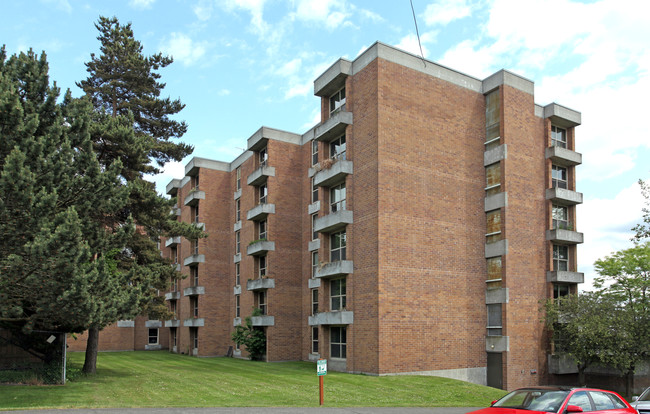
534, 400
645, 396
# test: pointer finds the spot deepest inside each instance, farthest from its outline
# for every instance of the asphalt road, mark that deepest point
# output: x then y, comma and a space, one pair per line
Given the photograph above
260, 410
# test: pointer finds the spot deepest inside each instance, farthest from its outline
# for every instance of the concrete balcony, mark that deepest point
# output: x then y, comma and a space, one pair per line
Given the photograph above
260, 175
173, 241
236, 322
334, 269
260, 248
562, 236
194, 291
194, 322
562, 364
260, 212
193, 197
176, 211
332, 318
327, 177
563, 276
334, 221
264, 320
194, 260
173, 323
563, 197
173, 186
333, 127
260, 284
173, 295
497, 343
153, 323
496, 249
564, 157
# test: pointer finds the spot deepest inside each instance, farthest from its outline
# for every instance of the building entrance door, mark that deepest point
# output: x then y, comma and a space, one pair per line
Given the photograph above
494, 370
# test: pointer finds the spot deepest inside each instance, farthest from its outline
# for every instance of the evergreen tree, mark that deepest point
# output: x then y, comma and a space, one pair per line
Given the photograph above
54, 200
133, 126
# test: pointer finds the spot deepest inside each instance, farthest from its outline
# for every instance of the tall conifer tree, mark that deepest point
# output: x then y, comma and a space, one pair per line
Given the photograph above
124, 88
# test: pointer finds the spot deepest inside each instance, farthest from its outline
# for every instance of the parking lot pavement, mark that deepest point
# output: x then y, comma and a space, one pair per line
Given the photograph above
259, 410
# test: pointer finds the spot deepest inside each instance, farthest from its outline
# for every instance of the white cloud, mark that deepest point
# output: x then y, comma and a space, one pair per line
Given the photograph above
203, 10
224, 92
410, 43
372, 16
60, 4
331, 13
183, 49
256, 10
443, 12
607, 225
141, 4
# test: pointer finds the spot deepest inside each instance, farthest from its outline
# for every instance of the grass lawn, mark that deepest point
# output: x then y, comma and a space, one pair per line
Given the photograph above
161, 379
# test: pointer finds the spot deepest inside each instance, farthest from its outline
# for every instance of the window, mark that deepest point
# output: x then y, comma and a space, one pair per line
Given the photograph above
194, 304
581, 399
237, 242
338, 244
194, 246
559, 176
314, 263
263, 192
237, 274
194, 183
194, 214
338, 342
494, 272
314, 301
174, 285
262, 228
262, 266
174, 336
314, 191
172, 308
194, 275
153, 336
194, 334
238, 178
558, 137
314, 339
494, 319
263, 157
337, 198
561, 217
261, 301
337, 294
337, 148
560, 258
237, 307
337, 101
493, 226
314, 152
493, 179
560, 291
314, 233
237, 210
492, 119
174, 254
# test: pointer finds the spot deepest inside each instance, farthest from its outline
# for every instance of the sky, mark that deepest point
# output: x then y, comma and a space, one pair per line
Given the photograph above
242, 64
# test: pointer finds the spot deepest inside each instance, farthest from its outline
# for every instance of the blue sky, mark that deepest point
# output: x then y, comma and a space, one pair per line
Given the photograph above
241, 64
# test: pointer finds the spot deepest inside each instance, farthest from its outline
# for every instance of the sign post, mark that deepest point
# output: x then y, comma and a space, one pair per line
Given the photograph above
321, 371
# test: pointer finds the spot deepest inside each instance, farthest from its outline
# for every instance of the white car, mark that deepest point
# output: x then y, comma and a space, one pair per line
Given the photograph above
642, 403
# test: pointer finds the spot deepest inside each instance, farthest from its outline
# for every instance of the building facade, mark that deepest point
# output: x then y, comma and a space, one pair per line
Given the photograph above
415, 229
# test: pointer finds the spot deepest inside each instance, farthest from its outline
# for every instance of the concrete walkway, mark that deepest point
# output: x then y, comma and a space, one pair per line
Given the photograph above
261, 410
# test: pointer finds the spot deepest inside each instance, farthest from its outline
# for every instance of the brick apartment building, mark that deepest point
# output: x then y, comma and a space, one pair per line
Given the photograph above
415, 229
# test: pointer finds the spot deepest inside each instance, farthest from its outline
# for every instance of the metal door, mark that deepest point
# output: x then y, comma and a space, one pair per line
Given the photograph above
494, 370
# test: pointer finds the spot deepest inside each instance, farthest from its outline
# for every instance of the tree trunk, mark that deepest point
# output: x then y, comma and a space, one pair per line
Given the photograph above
629, 383
581, 374
92, 346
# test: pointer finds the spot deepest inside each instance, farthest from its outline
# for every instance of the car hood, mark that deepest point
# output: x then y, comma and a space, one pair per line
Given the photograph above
503, 410
641, 404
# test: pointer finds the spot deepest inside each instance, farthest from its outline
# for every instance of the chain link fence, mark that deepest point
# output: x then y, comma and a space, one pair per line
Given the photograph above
35, 358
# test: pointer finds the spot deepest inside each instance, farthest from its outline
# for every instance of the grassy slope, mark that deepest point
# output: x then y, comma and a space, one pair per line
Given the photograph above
160, 379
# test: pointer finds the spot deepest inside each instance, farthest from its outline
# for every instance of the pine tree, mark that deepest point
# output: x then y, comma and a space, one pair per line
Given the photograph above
54, 200
133, 126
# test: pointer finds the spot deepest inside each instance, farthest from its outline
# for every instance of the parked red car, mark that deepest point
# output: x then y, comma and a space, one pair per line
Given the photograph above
559, 400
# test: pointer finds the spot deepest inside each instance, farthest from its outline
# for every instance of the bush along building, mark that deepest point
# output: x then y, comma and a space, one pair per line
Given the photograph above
415, 229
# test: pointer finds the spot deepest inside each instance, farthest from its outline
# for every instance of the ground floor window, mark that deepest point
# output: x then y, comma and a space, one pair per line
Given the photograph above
153, 336
314, 340
338, 342
194, 336
173, 332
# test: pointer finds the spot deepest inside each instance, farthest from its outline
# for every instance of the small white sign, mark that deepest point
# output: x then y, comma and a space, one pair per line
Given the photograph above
321, 367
